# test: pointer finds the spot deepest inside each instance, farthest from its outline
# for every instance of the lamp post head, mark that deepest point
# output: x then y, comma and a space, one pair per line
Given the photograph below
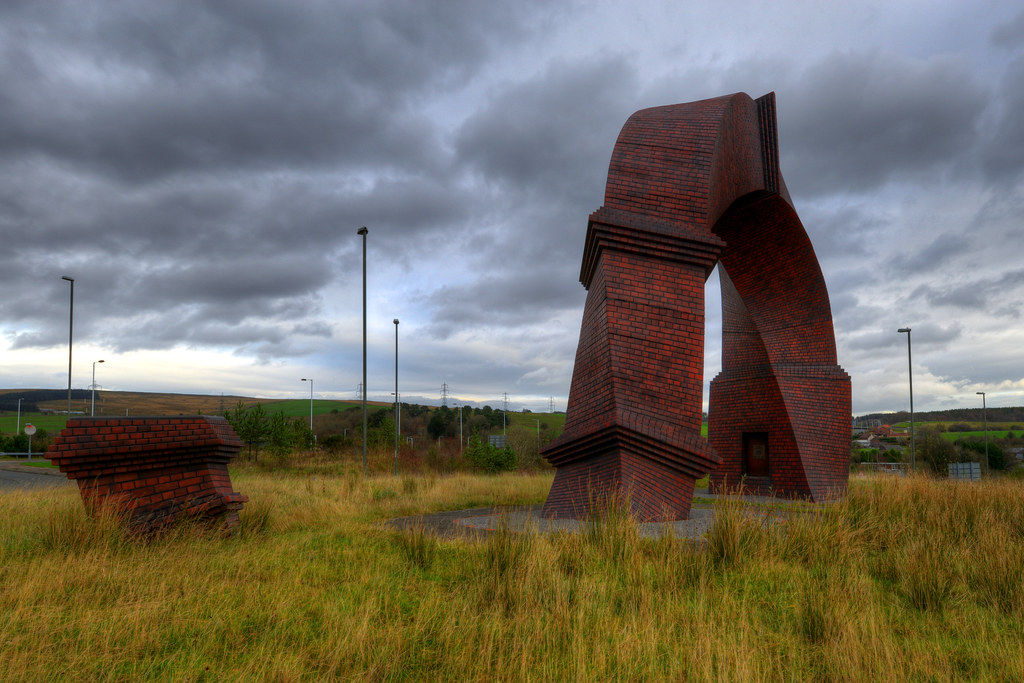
980, 393
396, 321
65, 277
362, 231
306, 380
903, 329
101, 361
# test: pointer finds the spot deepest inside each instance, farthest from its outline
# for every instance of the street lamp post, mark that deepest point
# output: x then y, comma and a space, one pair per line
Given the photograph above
984, 414
363, 231
910, 374
310, 380
19, 416
71, 326
397, 404
92, 412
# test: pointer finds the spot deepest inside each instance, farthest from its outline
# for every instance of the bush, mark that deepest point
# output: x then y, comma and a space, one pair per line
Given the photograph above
525, 442
996, 459
487, 458
15, 444
935, 450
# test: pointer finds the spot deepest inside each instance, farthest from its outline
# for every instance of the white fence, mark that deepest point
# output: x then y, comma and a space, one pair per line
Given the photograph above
899, 468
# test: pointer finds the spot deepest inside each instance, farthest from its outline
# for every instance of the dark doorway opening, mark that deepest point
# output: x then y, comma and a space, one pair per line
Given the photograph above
755, 454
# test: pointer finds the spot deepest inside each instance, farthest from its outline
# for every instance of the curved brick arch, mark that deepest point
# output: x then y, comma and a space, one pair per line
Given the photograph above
690, 185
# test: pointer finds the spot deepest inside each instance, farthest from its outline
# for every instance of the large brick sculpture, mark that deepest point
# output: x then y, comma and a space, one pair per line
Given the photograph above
158, 470
689, 186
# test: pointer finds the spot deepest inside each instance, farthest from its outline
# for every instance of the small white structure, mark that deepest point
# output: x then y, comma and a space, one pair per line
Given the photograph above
966, 471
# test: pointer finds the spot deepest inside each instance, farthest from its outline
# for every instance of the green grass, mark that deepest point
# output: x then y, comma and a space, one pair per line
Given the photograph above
35, 462
300, 407
555, 421
992, 434
51, 423
906, 579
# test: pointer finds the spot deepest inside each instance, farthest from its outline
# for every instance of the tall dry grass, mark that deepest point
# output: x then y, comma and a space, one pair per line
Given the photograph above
905, 579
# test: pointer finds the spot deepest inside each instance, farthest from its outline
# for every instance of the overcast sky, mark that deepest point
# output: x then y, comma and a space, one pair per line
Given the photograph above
201, 170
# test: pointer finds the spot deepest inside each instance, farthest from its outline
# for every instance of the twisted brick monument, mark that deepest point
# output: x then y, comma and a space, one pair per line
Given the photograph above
157, 469
691, 186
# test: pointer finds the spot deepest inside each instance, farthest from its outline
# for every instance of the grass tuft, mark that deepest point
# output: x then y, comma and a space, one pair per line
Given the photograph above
418, 545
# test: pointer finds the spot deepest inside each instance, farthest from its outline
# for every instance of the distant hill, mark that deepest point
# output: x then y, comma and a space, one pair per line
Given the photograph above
31, 398
137, 402
956, 415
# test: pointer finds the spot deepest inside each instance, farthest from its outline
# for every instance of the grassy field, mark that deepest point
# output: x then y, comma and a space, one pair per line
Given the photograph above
554, 421
151, 403
980, 434
118, 403
300, 407
51, 423
906, 579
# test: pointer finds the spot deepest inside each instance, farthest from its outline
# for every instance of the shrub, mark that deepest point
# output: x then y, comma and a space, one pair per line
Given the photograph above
526, 443
996, 459
935, 450
487, 458
335, 443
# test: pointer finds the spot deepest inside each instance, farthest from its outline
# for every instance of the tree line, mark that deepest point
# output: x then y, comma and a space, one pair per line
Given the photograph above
274, 432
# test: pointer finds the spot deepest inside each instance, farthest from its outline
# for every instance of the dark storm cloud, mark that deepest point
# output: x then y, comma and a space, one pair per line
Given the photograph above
201, 168
553, 133
858, 120
192, 164
844, 233
511, 300
928, 337
1003, 153
999, 296
931, 258
144, 90
1011, 33
972, 367
540, 148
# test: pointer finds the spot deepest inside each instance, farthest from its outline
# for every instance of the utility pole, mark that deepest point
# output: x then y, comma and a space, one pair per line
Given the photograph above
71, 327
504, 410
398, 418
984, 411
362, 231
910, 375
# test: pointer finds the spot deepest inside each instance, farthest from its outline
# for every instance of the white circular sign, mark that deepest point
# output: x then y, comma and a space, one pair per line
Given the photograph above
30, 428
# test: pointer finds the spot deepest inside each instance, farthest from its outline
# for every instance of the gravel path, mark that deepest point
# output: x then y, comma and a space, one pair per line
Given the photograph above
478, 522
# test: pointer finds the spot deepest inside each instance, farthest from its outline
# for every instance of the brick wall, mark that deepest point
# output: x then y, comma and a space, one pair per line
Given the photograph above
689, 186
157, 469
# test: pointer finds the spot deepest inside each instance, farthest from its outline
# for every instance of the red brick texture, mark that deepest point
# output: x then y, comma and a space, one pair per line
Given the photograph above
689, 186
157, 469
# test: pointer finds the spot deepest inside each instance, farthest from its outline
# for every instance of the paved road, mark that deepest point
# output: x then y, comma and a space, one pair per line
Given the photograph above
24, 478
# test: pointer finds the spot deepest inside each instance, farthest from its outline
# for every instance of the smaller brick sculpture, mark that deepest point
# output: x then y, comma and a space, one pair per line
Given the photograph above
158, 469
